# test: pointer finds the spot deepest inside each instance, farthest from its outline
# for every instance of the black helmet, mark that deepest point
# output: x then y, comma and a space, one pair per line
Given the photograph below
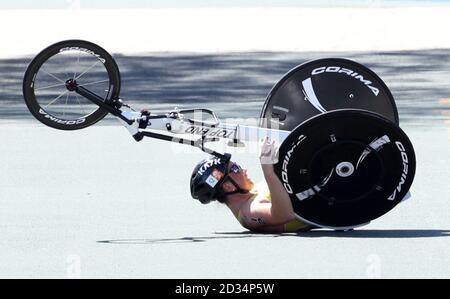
208, 177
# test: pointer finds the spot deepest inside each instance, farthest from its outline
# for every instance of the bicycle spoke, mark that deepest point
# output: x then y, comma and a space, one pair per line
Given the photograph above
65, 105
92, 83
50, 86
87, 70
51, 75
81, 106
63, 61
78, 62
57, 98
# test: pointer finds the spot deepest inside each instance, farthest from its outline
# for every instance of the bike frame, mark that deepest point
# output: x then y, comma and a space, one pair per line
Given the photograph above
174, 122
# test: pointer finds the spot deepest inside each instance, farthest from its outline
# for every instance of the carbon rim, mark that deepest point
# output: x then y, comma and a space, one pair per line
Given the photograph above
45, 90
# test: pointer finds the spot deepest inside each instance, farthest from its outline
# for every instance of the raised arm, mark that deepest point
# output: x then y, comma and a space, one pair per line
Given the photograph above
281, 207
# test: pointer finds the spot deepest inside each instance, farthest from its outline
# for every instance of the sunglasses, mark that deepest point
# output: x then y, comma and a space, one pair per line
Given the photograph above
235, 167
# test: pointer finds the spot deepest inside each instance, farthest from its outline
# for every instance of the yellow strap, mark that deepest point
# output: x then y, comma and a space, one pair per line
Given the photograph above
294, 225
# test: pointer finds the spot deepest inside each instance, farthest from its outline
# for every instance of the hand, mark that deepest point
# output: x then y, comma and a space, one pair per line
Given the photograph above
269, 152
145, 111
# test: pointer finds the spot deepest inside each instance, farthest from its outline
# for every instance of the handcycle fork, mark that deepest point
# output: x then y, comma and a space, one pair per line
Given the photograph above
72, 85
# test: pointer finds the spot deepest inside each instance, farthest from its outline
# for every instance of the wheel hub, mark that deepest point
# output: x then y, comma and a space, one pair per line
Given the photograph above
71, 85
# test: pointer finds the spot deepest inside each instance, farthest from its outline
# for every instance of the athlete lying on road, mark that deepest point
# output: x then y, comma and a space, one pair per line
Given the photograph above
262, 207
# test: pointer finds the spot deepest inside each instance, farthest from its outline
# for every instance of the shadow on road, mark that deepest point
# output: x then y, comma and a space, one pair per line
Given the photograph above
362, 234
221, 236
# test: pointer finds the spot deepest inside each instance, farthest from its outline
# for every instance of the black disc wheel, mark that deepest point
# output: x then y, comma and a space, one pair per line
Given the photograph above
325, 85
46, 91
345, 168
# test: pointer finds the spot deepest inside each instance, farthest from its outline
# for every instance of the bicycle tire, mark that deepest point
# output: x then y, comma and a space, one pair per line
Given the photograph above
102, 65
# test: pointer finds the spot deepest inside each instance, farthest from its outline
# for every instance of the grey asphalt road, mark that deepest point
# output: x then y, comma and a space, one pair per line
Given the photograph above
96, 204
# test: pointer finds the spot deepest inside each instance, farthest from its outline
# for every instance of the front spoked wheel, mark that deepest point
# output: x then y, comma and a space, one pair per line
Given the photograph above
45, 84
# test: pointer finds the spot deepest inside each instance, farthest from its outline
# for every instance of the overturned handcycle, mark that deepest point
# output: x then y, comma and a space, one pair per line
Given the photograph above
343, 160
